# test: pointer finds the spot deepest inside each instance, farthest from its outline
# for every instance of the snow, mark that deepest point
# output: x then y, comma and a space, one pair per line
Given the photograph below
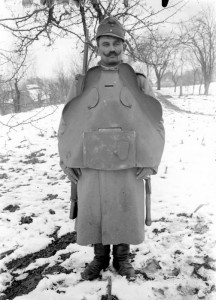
182, 233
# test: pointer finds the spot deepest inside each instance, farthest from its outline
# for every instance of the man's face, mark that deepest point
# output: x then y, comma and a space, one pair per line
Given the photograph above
110, 49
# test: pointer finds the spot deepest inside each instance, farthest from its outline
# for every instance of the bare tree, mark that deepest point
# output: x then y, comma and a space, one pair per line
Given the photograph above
180, 67
15, 93
52, 21
174, 68
200, 36
4, 96
15, 67
48, 21
156, 51
196, 72
182, 62
9, 82
175, 78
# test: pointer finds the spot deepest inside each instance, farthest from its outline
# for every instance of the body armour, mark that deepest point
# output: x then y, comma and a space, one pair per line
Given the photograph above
112, 125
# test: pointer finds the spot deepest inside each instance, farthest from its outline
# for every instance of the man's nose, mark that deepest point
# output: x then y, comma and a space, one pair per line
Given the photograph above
112, 48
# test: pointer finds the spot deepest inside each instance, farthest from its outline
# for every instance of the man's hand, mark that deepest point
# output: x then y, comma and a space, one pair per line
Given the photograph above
73, 174
143, 173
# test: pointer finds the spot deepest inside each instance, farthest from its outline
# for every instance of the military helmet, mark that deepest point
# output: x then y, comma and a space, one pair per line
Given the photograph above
111, 27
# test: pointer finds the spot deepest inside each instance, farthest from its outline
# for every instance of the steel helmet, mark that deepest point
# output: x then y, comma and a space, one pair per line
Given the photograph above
111, 27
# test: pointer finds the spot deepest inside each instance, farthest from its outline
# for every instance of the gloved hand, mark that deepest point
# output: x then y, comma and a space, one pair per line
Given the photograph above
73, 174
143, 173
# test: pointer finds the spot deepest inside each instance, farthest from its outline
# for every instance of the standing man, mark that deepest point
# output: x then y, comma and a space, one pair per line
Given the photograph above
111, 137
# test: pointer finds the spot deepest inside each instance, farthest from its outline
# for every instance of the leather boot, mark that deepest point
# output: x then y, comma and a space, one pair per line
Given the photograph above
121, 261
100, 262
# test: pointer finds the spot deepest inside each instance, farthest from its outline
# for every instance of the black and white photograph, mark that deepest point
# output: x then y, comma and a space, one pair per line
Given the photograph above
107, 149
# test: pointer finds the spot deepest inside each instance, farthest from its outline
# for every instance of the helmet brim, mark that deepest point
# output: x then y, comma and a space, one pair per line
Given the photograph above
110, 34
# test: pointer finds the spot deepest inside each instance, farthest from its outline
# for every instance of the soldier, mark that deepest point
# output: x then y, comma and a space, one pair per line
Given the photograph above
111, 137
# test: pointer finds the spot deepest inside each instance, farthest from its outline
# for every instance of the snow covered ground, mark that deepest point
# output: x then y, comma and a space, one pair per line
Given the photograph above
178, 258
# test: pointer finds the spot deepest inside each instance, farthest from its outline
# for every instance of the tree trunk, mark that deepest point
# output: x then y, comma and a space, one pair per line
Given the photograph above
158, 78
175, 88
158, 83
206, 86
16, 99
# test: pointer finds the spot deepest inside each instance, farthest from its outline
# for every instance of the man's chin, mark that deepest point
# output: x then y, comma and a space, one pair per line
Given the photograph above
113, 61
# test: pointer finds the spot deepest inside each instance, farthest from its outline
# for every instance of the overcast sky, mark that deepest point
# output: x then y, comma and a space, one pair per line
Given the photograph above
47, 60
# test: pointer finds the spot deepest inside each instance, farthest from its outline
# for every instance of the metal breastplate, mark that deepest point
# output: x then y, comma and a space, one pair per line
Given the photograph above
112, 125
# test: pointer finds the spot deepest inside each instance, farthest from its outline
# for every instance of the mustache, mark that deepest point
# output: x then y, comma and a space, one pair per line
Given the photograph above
111, 53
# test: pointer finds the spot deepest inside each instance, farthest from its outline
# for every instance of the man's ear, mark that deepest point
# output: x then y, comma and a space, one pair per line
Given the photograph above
124, 46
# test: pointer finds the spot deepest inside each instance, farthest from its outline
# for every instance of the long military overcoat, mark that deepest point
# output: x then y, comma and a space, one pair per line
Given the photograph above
110, 204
